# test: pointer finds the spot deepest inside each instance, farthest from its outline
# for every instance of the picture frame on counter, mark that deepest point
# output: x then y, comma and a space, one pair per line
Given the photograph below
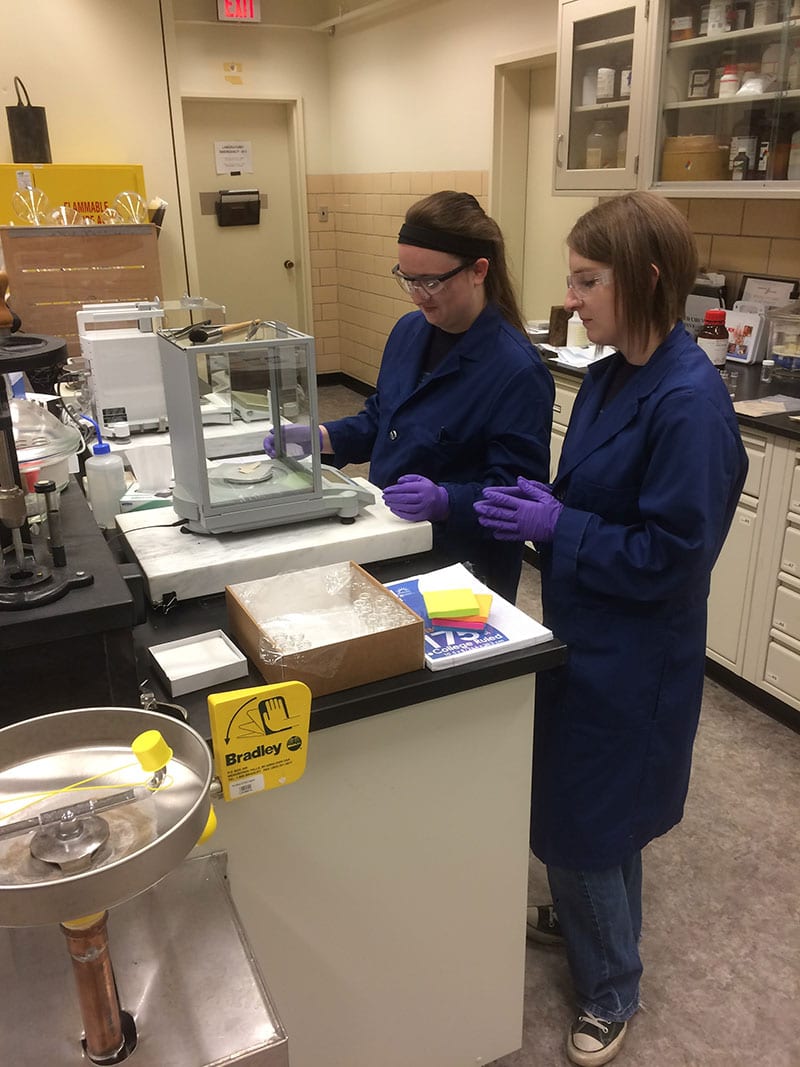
770, 290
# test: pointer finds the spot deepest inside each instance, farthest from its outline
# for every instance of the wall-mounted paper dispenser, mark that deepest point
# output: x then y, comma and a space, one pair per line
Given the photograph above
238, 207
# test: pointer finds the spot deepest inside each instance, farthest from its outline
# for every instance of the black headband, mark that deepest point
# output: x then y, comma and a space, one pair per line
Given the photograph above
445, 241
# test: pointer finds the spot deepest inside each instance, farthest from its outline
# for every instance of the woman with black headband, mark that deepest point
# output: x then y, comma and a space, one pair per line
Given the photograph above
462, 400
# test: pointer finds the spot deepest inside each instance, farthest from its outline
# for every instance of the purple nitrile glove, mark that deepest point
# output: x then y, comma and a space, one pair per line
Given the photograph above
525, 512
417, 499
296, 440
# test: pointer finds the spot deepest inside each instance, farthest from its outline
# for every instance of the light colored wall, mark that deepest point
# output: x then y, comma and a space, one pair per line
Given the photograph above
548, 219
275, 64
414, 92
99, 71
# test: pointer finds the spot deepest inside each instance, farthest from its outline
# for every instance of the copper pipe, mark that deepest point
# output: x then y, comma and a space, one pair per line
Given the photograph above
87, 942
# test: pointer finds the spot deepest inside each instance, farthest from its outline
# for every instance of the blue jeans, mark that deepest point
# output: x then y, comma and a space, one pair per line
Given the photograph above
600, 913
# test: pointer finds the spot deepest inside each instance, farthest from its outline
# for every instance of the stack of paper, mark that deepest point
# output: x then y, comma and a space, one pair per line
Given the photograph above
460, 641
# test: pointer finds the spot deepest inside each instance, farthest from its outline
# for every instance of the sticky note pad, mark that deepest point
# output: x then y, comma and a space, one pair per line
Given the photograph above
450, 603
469, 622
472, 622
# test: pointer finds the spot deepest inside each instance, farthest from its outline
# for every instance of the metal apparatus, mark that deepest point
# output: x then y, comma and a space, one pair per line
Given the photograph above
268, 373
24, 580
96, 807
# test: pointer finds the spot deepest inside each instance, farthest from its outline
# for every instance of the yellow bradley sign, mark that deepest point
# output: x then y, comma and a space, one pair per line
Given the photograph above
260, 736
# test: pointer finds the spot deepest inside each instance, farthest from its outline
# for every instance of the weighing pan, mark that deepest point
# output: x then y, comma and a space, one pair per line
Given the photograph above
59, 760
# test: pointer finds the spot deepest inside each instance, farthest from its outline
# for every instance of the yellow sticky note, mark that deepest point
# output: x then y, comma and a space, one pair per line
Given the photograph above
469, 622
260, 736
450, 603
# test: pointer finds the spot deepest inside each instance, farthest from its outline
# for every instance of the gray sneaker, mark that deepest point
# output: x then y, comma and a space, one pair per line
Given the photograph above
543, 925
594, 1041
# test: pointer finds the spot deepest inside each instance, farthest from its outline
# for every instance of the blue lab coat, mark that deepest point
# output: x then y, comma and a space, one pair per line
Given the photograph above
482, 417
650, 485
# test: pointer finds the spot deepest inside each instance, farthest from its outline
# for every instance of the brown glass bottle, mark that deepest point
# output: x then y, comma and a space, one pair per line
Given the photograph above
682, 20
713, 338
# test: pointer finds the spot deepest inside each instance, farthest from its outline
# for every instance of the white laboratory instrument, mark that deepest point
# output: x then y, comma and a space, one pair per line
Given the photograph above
120, 347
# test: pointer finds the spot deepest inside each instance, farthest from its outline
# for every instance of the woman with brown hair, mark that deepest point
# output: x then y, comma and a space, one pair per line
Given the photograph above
462, 399
649, 477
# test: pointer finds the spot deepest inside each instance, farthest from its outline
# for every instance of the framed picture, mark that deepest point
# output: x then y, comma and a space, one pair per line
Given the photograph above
772, 291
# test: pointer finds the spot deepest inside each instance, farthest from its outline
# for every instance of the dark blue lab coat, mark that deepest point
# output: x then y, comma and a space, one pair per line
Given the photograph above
483, 417
649, 485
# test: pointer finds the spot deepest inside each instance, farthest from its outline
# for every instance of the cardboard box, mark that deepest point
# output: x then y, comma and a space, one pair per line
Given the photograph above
694, 159
197, 662
331, 627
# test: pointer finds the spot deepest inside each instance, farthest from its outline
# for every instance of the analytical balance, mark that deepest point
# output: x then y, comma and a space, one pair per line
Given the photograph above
98, 809
267, 374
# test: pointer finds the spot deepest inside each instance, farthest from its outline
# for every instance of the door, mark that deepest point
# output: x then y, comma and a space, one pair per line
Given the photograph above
243, 267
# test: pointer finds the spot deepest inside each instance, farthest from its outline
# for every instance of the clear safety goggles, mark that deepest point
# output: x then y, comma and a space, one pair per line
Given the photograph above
583, 285
424, 283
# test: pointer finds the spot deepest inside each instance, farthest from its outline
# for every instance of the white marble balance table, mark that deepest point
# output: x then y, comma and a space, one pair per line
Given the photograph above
193, 565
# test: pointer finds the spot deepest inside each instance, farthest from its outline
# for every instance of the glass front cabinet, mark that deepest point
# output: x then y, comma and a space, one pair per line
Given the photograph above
600, 77
713, 104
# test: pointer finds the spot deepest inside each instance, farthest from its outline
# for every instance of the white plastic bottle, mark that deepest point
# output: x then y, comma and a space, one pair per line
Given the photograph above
576, 332
105, 484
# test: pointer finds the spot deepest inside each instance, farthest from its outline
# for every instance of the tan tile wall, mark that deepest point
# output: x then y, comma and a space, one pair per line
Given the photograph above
356, 302
737, 237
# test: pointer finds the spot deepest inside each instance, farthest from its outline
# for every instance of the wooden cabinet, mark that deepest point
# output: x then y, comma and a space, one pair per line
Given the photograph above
687, 133
754, 603
733, 576
772, 659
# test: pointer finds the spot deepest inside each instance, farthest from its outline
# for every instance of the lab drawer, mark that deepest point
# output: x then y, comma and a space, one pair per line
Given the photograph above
564, 401
556, 444
730, 585
794, 499
782, 668
786, 615
756, 448
790, 557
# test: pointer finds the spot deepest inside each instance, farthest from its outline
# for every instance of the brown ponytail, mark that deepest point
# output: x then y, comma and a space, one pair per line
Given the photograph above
460, 213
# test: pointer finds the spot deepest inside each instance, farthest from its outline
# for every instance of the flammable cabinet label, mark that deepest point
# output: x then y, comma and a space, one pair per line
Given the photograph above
260, 736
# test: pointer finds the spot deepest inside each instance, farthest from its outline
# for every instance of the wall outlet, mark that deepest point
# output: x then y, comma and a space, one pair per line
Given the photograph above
322, 214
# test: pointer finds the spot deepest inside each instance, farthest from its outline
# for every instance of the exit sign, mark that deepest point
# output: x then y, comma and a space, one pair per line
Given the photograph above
238, 10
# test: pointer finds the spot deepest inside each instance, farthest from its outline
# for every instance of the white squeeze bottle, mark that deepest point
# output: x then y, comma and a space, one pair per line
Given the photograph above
105, 484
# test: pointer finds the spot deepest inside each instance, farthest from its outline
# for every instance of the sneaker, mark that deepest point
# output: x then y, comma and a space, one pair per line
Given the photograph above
543, 925
594, 1041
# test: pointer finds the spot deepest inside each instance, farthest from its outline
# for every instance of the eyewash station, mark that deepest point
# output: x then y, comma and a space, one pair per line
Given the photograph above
395, 856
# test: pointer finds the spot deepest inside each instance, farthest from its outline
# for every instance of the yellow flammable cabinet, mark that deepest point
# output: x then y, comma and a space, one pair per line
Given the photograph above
87, 187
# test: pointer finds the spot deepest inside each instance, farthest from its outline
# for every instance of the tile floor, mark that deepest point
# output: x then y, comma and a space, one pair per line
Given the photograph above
721, 940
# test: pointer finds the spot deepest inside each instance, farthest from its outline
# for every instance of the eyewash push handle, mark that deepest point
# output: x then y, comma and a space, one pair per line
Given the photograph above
153, 753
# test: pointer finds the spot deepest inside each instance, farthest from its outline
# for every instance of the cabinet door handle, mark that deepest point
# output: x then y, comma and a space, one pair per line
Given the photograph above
559, 142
